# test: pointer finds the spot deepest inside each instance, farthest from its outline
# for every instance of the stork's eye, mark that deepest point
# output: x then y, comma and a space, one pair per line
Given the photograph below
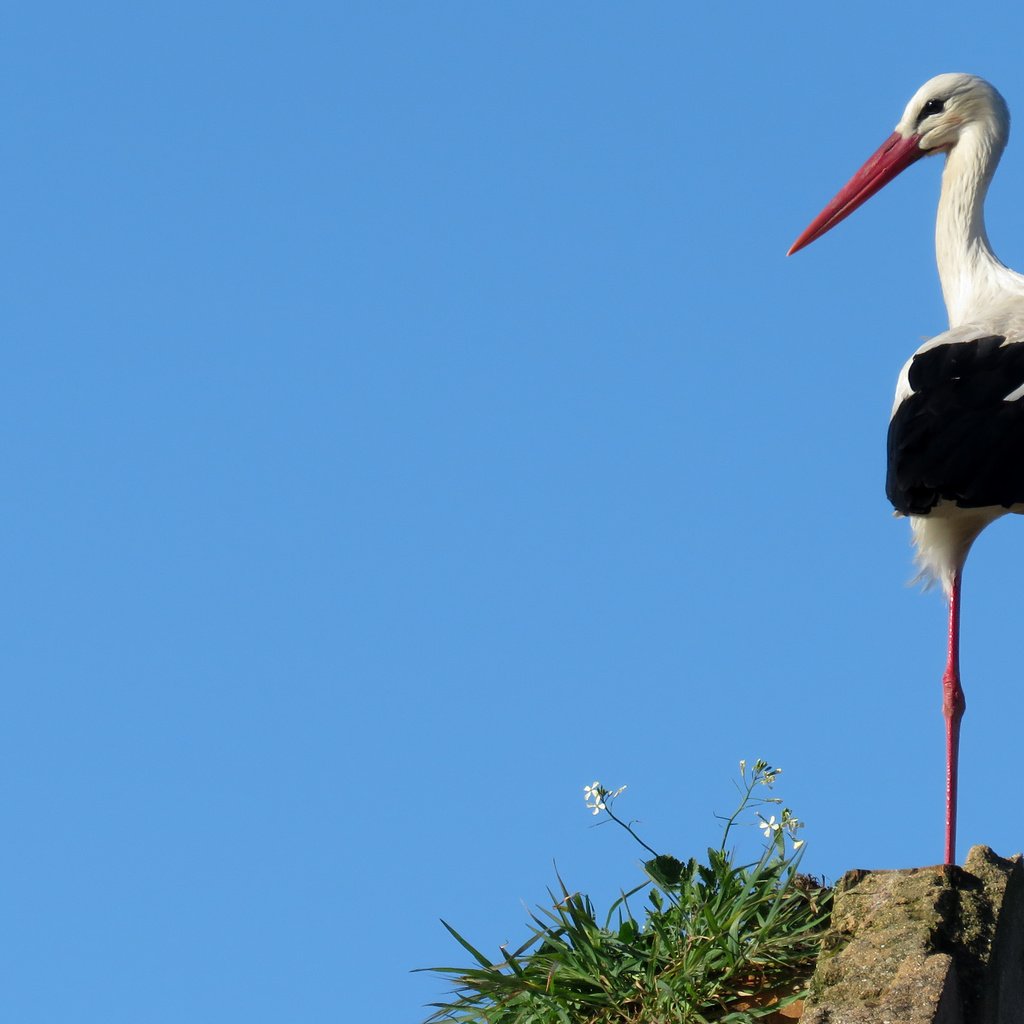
931, 107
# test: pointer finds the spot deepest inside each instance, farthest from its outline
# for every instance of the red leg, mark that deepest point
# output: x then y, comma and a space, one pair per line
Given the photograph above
953, 705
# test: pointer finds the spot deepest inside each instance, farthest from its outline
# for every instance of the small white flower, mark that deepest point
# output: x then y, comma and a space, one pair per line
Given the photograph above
797, 843
594, 796
743, 767
769, 826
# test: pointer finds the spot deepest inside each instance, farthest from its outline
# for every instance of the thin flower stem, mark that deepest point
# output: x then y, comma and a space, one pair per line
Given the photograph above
735, 814
619, 821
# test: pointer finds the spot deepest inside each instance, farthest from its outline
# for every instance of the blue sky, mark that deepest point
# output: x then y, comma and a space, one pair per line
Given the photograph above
410, 416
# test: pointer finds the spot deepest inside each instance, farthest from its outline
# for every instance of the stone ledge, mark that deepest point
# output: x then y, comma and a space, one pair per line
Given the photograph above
938, 945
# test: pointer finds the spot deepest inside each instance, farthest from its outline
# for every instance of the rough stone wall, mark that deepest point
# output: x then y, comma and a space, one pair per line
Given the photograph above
939, 945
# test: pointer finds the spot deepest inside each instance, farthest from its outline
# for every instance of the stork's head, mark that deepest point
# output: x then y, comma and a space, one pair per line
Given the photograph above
944, 110
948, 106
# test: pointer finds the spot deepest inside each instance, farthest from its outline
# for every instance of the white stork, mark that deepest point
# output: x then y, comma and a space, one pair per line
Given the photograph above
956, 436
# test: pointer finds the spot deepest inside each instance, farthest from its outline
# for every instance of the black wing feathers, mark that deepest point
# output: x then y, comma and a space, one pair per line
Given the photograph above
956, 437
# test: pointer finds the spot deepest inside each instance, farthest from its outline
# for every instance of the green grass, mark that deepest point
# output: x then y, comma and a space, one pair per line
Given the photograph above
716, 941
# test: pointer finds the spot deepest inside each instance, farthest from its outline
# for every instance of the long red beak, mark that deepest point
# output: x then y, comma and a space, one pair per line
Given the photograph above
894, 155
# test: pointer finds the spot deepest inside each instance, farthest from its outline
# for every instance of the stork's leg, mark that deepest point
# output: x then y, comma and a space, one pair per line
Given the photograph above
953, 705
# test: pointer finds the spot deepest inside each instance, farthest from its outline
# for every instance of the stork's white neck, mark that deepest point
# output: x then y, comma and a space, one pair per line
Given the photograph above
973, 279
